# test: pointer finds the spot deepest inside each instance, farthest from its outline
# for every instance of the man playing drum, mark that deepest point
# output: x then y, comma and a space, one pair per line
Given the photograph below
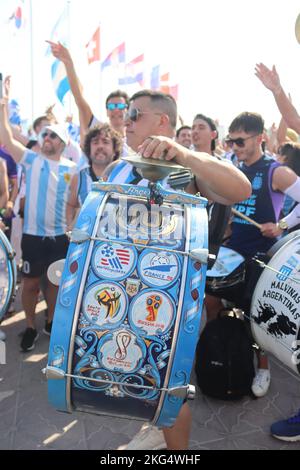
150, 130
270, 182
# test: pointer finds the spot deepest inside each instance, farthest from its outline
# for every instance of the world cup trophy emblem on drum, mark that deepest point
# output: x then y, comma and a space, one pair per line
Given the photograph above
130, 300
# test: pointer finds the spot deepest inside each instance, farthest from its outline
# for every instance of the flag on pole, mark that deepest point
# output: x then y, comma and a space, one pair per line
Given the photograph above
155, 78
93, 47
133, 72
60, 80
116, 56
17, 17
58, 72
60, 30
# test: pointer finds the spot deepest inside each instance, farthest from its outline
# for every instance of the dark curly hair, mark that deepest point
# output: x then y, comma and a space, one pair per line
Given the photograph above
109, 132
291, 152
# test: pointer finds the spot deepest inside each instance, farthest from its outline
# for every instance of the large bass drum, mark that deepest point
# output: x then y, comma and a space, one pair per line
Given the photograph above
129, 305
275, 307
8, 274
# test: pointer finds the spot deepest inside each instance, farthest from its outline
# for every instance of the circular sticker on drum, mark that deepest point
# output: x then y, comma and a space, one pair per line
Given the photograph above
152, 312
158, 268
113, 261
121, 351
105, 305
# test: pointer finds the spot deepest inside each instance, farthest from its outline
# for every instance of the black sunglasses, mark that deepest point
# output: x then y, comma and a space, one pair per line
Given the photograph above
52, 135
134, 113
240, 141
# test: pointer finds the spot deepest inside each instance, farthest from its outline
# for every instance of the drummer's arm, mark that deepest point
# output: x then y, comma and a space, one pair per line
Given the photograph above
72, 203
285, 180
13, 147
217, 180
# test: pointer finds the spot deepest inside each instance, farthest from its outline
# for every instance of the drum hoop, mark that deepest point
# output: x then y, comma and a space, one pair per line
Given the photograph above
282, 242
12, 272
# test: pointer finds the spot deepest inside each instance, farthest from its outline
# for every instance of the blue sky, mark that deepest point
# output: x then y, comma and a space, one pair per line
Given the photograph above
209, 48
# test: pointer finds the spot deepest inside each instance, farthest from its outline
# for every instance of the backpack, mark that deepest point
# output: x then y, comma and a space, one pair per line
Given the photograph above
224, 359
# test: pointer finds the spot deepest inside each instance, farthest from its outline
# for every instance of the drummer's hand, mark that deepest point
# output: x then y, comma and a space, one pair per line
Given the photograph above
270, 230
162, 148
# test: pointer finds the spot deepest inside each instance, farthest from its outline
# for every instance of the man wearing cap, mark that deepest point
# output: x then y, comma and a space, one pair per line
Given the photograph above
48, 176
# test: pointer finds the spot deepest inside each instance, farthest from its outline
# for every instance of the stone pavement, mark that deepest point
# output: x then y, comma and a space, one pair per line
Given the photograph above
28, 422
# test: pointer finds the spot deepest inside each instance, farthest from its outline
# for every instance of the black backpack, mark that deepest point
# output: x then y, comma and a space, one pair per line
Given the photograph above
224, 359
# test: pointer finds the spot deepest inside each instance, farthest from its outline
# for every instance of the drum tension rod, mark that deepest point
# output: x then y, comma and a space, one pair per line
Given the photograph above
264, 265
183, 391
200, 254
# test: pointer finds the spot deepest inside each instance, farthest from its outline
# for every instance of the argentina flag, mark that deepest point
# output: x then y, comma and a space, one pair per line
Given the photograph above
60, 81
58, 73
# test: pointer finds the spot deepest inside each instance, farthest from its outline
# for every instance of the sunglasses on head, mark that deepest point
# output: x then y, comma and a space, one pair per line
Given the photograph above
133, 114
112, 106
240, 141
52, 135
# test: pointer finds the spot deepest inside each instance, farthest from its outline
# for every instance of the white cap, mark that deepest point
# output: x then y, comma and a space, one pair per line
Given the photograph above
60, 131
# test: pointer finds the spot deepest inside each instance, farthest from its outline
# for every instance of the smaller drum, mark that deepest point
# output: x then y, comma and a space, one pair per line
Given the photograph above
275, 307
227, 271
8, 274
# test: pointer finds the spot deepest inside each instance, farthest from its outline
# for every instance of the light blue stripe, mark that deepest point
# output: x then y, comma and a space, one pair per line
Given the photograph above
42, 198
116, 171
62, 89
28, 172
60, 206
54, 68
85, 185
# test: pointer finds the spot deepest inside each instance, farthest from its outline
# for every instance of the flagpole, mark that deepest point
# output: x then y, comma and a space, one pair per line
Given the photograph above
69, 45
31, 61
100, 76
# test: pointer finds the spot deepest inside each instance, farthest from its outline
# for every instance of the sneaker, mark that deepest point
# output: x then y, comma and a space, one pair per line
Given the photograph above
288, 429
261, 382
2, 335
29, 338
48, 328
148, 438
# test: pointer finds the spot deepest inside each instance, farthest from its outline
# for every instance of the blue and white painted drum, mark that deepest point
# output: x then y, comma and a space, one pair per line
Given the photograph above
129, 305
8, 274
275, 307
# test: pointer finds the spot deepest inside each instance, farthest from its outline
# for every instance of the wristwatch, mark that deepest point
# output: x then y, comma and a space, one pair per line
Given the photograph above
282, 224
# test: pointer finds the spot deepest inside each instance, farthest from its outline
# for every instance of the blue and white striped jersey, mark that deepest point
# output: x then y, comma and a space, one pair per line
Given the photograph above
47, 191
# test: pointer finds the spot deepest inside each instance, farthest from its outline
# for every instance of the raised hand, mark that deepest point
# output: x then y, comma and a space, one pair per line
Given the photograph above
269, 78
60, 52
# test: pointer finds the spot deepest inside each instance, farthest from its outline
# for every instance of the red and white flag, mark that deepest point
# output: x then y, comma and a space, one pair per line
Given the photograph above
93, 47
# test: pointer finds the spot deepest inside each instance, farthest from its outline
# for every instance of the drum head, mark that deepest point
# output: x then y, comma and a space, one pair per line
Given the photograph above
227, 262
8, 274
55, 271
275, 310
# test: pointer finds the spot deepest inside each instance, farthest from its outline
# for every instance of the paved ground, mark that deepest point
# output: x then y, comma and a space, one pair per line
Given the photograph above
27, 421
